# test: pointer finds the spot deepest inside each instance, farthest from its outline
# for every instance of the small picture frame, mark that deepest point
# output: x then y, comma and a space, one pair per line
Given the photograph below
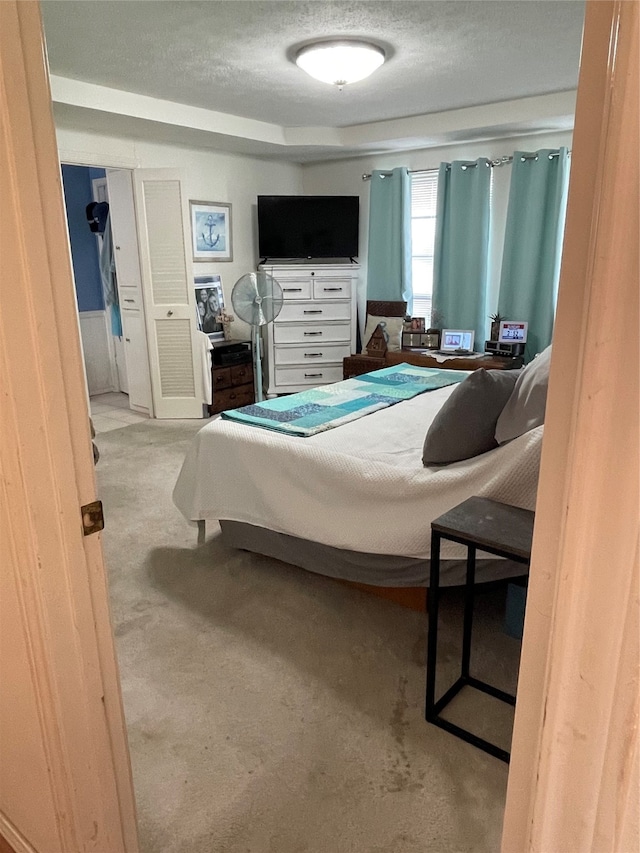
417, 324
211, 231
209, 306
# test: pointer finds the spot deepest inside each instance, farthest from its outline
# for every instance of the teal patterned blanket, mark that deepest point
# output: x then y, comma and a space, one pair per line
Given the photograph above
318, 409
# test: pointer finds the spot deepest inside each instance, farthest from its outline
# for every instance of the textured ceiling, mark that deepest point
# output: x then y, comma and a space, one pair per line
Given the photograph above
234, 56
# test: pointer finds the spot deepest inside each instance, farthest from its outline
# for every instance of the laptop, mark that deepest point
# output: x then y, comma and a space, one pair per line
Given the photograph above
456, 341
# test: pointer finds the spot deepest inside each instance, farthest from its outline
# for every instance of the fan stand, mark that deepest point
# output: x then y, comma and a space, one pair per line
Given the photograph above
257, 361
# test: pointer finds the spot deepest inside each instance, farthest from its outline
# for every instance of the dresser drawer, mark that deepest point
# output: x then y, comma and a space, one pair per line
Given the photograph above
332, 288
310, 375
305, 333
297, 288
314, 312
311, 354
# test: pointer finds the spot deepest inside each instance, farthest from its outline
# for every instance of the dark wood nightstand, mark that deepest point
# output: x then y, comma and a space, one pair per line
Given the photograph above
232, 383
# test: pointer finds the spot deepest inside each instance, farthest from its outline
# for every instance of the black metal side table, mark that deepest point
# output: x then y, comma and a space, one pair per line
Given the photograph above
477, 523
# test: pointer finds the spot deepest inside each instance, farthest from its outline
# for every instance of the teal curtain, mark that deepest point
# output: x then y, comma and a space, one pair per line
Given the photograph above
533, 242
461, 253
389, 252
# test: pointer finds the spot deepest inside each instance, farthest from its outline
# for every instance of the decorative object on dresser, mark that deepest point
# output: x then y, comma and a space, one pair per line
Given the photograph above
257, 298
316, 329
232, 376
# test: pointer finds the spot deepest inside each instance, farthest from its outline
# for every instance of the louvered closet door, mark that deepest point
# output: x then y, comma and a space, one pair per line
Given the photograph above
169, 299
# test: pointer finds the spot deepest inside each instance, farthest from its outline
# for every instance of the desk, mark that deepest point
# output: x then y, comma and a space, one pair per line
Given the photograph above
499, 529
354, 365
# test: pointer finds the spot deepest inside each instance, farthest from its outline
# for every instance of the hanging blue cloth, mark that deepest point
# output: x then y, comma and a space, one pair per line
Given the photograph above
109, 283
389, 252
461, 252
533, 242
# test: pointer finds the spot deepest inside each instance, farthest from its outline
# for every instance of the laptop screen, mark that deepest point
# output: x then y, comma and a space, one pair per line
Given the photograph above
454, 339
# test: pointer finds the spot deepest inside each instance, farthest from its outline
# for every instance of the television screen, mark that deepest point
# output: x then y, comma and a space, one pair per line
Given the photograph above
308, 226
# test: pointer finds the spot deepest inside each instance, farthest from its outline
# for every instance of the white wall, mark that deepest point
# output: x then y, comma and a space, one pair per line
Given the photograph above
345, 178
207, 176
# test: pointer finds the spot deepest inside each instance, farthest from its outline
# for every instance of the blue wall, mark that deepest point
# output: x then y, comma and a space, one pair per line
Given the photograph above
84, 245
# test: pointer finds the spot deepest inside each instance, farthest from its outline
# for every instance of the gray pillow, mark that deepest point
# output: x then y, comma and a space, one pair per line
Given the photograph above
465, 425
526, 407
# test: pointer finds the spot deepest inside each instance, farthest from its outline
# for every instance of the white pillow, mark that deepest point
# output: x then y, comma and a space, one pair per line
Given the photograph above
391, 327
526, 406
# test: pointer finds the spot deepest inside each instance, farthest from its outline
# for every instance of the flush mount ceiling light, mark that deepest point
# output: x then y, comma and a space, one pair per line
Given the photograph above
340, 62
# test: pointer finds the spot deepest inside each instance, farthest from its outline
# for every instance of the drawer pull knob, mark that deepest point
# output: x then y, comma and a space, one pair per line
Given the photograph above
169, 313
314, 311
309, 334
326, 289
312, 354
128, 340
129, 300
292, 290
313, 375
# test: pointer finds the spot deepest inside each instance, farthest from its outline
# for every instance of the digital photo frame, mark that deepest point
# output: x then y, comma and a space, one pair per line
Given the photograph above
457, 341
513, 332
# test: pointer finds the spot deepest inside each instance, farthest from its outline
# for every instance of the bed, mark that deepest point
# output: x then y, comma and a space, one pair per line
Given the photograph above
354, 502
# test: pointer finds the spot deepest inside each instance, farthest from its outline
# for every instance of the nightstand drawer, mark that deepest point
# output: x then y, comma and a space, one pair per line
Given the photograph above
232, 398
241, 374
222, 377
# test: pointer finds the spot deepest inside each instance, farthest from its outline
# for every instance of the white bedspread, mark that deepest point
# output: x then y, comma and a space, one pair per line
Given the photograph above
361, 486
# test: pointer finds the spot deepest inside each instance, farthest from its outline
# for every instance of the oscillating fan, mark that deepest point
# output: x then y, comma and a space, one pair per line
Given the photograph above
257, 299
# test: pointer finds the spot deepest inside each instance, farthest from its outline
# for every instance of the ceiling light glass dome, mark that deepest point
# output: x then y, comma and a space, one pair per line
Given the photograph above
340, 62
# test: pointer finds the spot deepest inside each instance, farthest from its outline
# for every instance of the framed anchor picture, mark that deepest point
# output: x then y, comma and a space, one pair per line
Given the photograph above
211, 231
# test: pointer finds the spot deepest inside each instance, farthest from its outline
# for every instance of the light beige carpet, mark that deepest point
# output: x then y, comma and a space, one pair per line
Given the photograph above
274, 711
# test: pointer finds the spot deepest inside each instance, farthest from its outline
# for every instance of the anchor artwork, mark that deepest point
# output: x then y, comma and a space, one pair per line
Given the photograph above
211, 231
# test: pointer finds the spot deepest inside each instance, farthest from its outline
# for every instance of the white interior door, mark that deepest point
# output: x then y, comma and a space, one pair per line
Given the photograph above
135, 348
127, 260
168, 295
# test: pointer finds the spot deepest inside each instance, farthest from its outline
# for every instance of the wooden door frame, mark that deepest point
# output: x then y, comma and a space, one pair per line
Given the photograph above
574, 758
47, 475
573, 781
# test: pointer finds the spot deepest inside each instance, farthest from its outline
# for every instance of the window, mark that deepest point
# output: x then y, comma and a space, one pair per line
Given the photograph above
424, 195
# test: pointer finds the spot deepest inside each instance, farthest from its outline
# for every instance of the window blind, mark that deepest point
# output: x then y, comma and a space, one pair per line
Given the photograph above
424, 198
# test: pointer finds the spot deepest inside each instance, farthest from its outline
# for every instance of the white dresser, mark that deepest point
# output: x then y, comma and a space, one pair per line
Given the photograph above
316, 328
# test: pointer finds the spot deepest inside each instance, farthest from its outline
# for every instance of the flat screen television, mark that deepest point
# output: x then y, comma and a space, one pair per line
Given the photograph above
308, 226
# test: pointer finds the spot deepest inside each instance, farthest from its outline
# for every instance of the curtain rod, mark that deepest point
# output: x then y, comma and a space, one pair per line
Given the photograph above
500, 161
